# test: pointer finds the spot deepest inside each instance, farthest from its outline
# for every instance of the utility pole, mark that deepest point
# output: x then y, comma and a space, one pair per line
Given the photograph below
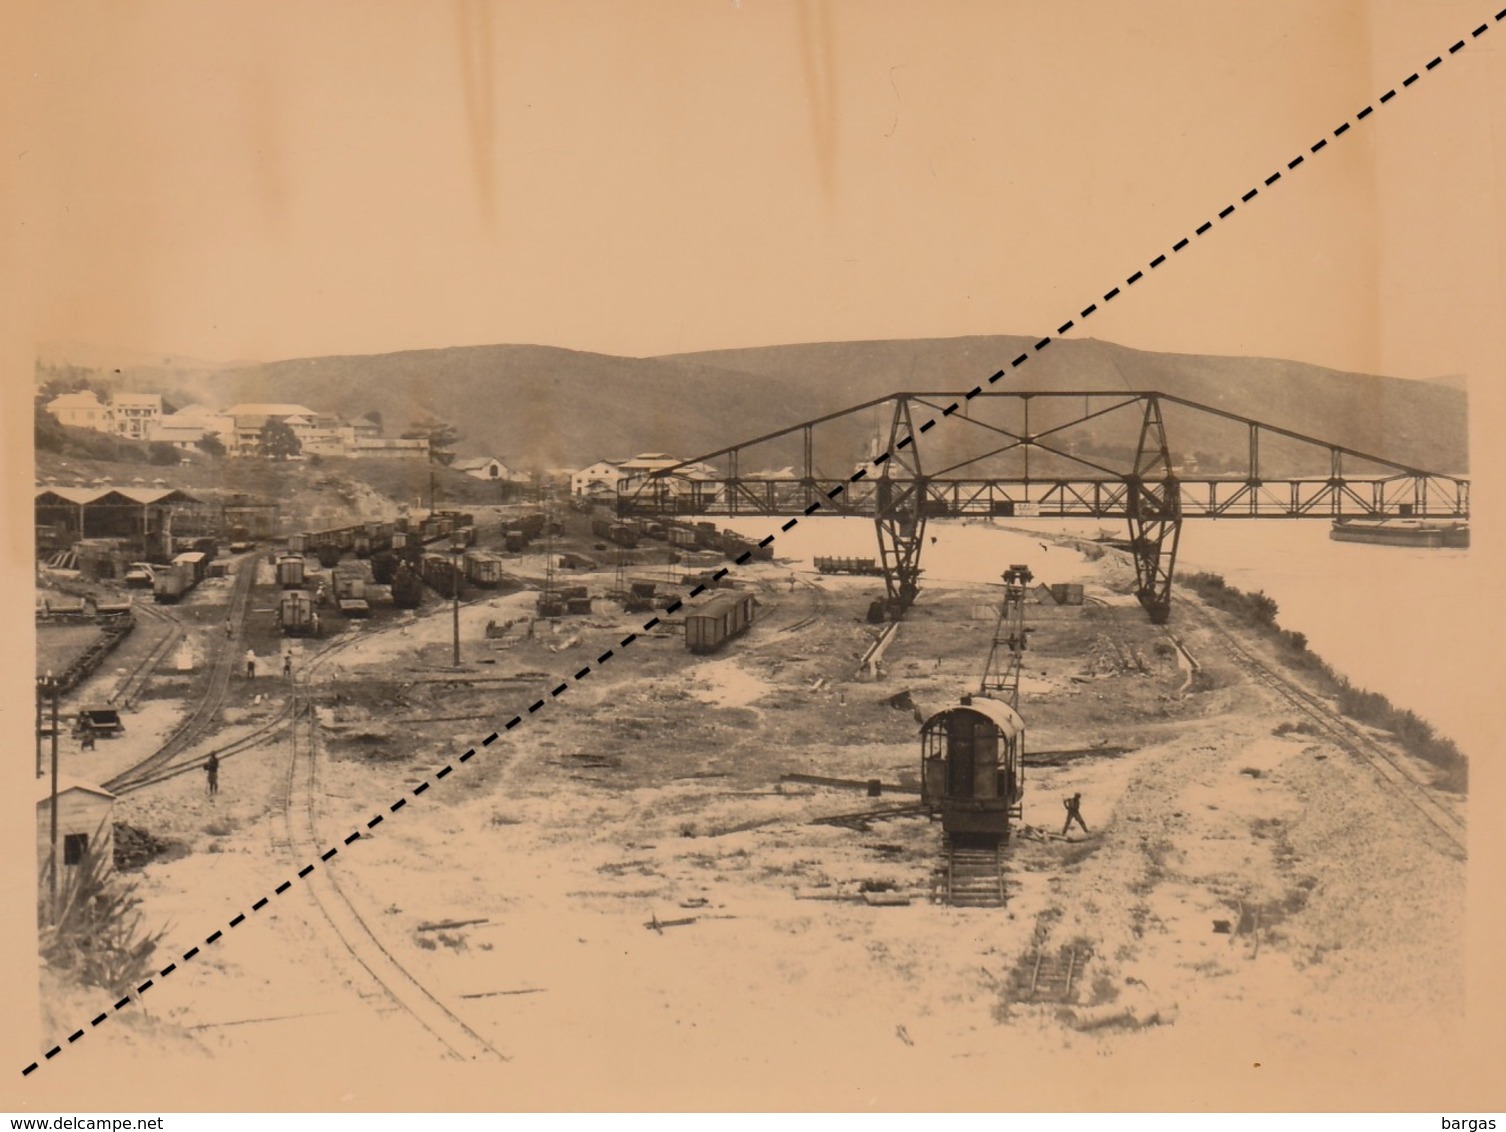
52, 856
40, 772
456, 547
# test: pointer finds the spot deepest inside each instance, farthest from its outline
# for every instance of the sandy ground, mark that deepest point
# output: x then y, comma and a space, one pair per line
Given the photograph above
523, 890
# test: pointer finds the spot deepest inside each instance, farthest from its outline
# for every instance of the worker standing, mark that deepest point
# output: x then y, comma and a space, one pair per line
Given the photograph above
287, 665
212, 772
250, 664
229, 629
1074, 813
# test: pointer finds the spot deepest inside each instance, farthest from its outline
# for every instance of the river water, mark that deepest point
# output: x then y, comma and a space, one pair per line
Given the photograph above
1403, 622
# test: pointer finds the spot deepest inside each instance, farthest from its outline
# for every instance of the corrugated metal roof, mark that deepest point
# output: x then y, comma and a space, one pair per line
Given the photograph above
1000, 714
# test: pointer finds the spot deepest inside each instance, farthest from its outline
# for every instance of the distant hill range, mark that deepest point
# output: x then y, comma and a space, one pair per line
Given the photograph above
540, 406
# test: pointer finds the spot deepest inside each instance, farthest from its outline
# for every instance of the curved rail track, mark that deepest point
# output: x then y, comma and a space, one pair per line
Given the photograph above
134, 681
206, 711
298, 836
1347, 735
822, 601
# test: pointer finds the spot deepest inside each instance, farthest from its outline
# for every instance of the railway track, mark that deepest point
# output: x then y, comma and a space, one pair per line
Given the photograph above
150, 773
134, 681
299, 838
206, 711
821, 601
971, 876
1348, 736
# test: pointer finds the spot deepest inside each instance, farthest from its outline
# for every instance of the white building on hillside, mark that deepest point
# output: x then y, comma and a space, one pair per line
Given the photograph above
81, 410
602, 477
482, 467
135, 415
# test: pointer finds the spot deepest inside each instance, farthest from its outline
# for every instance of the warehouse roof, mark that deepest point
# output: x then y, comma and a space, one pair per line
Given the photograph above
110, 496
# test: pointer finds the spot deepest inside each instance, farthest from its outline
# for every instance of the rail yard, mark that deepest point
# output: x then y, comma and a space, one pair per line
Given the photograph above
716, 819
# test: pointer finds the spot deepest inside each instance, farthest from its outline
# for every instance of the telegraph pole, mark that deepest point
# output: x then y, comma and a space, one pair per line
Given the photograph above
52, 857
455, 550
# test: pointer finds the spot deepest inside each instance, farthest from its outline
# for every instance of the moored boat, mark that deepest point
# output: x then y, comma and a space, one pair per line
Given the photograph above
1400, 532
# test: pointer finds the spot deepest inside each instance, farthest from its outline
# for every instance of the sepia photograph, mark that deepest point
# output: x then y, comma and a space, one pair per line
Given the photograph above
740, 556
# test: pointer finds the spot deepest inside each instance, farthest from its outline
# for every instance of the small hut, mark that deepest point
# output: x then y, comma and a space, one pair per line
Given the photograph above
973, 767
85, 824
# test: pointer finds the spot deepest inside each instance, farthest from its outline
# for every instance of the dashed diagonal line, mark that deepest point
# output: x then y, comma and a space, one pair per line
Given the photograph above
1360, 117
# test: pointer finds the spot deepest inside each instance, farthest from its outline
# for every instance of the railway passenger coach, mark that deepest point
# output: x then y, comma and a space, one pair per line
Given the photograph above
709, 626
972, 767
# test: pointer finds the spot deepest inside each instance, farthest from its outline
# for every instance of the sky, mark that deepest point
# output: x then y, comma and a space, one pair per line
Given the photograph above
267, 180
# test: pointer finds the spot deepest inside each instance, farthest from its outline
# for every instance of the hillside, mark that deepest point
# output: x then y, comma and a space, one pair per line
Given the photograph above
540, 406
1424, 423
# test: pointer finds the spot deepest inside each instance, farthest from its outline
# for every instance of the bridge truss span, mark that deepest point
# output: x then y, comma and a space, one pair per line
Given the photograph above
1150, 459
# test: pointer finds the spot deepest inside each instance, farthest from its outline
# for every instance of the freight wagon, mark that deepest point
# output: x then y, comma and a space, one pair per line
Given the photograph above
709, 626
296, 615
515, 541
171, 582
290, 571
847, 566
442, 574
483, 569
683, 537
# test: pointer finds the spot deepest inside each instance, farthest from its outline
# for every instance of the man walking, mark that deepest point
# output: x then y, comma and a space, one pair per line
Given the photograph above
1074, 813
287, 665
250, 664
212, 770
229, 629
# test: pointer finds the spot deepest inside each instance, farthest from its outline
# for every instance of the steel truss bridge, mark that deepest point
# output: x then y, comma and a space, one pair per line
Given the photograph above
1069, 455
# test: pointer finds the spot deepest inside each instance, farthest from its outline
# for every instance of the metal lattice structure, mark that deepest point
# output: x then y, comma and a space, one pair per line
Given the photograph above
1056, 454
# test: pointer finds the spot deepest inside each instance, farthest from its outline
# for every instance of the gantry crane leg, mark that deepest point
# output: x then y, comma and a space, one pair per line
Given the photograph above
1154, 504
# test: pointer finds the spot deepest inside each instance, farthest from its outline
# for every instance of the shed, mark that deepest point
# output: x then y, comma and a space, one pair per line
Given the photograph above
85, 823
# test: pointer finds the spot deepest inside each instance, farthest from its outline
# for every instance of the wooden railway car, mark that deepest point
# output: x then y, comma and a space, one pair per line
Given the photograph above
442, 574
709, 626
296, 615
483, 569
972, 760
290, 571
847, 566
682, 537
515, 541
171, 582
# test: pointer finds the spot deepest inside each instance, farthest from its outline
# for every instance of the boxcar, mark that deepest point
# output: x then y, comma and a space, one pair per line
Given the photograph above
681, 537
296, 615
483, 569
195, 561
515, 541
709, 626
290, 569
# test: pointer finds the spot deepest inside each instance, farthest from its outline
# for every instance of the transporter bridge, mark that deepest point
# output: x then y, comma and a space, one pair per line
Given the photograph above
1051, 454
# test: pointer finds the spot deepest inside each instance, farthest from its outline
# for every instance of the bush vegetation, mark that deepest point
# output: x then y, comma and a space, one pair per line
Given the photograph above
98, 938
1258, 611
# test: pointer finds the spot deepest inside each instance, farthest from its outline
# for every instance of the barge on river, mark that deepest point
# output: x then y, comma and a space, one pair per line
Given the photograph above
1401, 532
